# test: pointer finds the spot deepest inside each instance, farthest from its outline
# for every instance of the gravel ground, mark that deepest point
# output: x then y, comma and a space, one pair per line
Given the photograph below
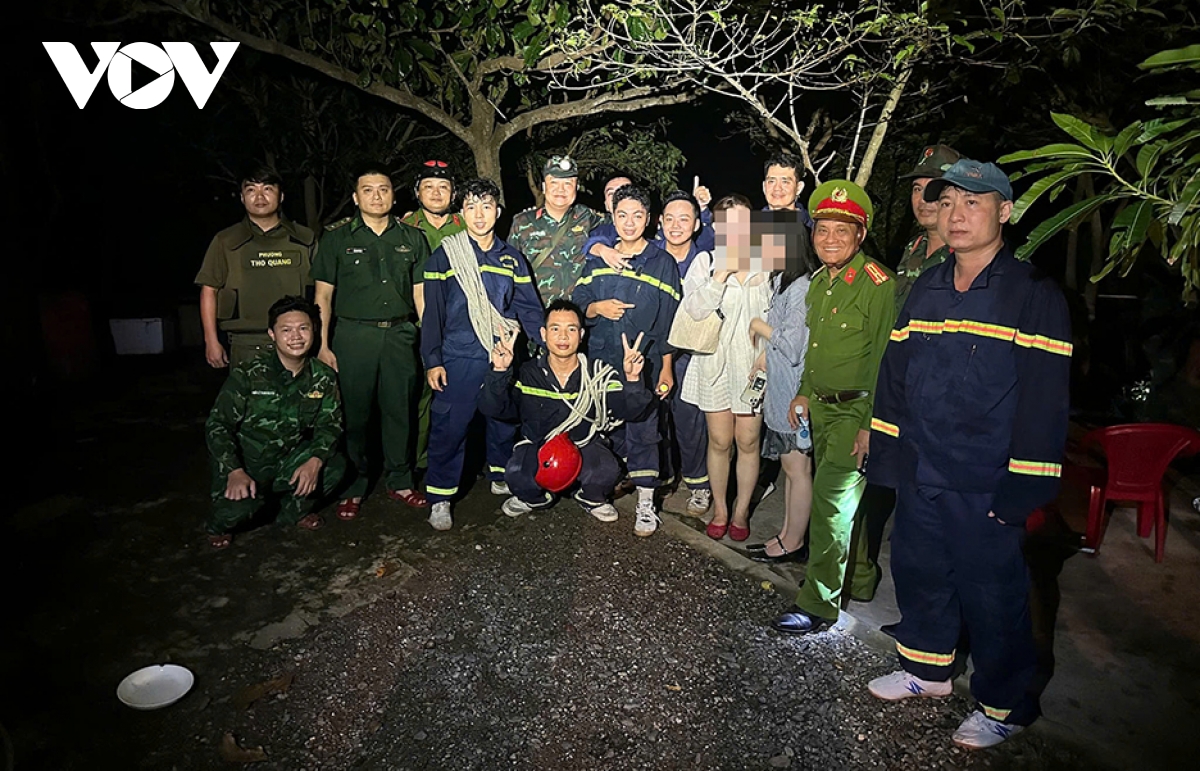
557, 642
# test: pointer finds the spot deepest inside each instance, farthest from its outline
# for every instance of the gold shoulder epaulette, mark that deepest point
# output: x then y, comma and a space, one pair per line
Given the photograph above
877, 274
338, 224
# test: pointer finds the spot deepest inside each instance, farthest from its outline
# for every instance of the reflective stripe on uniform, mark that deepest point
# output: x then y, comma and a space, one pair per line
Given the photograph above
993, 713
441, 490
980, 329
651, 280
883, 427
925, 657
1034, 468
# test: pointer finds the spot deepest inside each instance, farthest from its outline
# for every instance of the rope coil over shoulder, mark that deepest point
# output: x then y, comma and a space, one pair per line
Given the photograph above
485, 319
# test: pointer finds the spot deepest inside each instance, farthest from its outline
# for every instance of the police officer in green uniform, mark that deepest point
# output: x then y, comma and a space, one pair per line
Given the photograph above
368, 269
249, 266
274, 429
552, 236
851, 310
434, 189
928, 248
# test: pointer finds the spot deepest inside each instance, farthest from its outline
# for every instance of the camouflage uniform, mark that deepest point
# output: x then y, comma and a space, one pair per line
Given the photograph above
556, 270
913, 264
268, 423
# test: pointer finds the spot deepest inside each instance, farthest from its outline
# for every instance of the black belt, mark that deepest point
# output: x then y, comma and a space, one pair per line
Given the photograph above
380, 323
841, 396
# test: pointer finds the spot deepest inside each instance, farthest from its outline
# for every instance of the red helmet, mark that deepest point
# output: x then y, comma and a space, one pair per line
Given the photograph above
559, 463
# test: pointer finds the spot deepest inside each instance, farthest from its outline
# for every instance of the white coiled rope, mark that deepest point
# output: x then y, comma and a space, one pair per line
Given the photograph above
592, 400
485, 319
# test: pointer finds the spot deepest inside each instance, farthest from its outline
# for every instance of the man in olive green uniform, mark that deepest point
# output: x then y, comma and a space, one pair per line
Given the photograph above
249, 266
274, 429
552, 236
851, 310
366, 269
434, 189
928, 248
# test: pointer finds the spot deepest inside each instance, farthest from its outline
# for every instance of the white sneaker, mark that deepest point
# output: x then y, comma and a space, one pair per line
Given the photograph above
979, 732
647, 520
439, 517
605, 512
698, 502
500, 488
903, 685
515, 507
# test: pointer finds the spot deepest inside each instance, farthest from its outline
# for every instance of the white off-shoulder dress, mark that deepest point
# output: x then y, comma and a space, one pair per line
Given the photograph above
716, 381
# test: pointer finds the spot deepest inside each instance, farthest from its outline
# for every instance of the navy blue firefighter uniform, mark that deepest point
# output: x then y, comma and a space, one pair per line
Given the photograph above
651, 285
538, 401
971, 418
448, 340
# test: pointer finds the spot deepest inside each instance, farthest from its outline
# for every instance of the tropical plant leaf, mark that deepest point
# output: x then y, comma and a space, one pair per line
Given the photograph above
1036, 190
1050, 227
1058, 150
1189, 56
1082, 132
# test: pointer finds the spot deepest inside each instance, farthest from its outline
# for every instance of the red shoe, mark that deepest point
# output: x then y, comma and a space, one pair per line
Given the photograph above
715, 531
738, 533
413, 498
348, 509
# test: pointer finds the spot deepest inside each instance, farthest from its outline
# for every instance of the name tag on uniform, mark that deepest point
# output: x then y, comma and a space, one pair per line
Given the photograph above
356, 250
262, 393
272, 260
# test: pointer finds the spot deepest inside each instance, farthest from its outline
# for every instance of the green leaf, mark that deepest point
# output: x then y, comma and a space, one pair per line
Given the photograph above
1158, 126
500, 3
422, 49
1082, 132
967, 44
1060, 150
1073, 213
1186, 200
1126, 138
522, 31
1147, 157
637, 28
1179, 56
1130, 226
1036, 190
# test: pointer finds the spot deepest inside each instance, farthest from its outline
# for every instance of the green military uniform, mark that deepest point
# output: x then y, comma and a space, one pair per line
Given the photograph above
850, 319
554, 248
375, 340
914, 263
434, 235
251, 269
268, 423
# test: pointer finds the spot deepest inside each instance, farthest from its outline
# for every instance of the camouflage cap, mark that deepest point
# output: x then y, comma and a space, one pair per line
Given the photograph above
974, 177
561, 167
935, 159
841, 199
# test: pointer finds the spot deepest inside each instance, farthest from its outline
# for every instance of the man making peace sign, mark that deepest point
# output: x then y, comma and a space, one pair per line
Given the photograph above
562, 393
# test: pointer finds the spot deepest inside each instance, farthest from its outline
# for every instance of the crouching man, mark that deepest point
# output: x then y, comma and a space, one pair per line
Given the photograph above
273, 432
561, 392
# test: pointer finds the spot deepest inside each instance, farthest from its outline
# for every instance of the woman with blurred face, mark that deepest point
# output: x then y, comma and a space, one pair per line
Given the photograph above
724, 283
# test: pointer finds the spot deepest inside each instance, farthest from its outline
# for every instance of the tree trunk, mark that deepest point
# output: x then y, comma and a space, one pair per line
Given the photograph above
312, 211
1072, 270
881, 128
487, 159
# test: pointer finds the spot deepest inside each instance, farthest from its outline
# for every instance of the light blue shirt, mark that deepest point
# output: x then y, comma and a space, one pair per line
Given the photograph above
785, 351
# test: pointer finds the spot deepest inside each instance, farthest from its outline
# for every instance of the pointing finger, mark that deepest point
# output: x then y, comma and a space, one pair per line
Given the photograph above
695, 181
625, 305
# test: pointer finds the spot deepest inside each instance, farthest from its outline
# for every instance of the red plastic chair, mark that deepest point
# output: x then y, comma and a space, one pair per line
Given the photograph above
1138, 455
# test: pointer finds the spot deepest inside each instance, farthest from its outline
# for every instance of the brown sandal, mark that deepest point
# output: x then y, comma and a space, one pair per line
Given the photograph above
348, 509
311, 522
413, 498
